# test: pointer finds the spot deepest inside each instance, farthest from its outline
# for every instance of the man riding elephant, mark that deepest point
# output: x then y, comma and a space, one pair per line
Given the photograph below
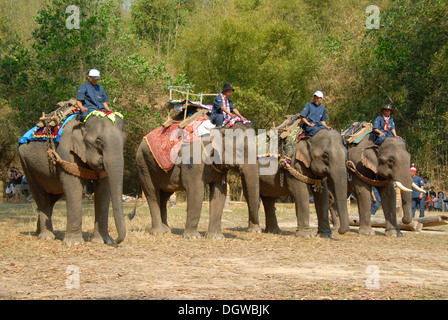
314, 115
91, 96
384, 125
223, 107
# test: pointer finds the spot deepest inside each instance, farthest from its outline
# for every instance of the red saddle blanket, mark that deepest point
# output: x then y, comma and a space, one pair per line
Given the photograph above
165, 143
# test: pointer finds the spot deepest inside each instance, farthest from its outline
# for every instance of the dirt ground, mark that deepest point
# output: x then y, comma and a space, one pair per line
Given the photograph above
242, 266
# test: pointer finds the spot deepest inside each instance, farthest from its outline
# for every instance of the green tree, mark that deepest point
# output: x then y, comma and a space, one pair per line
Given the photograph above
159, 21
261, 47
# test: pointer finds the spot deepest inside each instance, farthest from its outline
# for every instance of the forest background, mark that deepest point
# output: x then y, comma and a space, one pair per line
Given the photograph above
276, 53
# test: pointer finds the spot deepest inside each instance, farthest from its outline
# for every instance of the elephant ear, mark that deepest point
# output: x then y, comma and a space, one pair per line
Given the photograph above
78, 146
369, 158
303, 152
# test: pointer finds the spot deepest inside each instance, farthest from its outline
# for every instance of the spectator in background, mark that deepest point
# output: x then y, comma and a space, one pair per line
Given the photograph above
438, 202
26, 190
418, 198
429, 202
375, 201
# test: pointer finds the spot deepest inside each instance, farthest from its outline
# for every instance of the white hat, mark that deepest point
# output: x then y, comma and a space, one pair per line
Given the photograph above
319, 94
94, 73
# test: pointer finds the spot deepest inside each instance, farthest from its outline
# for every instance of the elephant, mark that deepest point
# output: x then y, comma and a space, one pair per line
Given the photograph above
319, 159
372, 165
158, 184
94, 146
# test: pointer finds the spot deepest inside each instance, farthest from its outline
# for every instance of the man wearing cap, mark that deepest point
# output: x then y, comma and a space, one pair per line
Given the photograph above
384, 126
91, 96
418, 198
314, 115
223, 107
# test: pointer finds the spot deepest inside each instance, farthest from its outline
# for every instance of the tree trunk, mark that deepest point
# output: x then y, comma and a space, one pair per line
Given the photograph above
380, 222
433, 221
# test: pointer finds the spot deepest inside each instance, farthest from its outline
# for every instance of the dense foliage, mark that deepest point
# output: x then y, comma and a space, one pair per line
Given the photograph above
276, 53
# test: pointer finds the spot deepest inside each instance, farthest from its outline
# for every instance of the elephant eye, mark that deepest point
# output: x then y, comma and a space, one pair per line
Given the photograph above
325, 158
99, 143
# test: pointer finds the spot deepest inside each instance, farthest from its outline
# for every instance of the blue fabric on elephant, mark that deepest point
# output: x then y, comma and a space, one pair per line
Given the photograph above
37, 133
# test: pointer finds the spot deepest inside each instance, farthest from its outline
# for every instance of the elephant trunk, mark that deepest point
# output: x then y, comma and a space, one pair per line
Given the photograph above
251, 190
114, 167
339, 182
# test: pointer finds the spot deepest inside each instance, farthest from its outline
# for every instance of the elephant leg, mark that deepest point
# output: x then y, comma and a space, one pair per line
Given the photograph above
363, 198
218, 192
321, 202
102, 201
195, 197
299, 191
45, 204
389, 204
271, 217
153, 195
73, 193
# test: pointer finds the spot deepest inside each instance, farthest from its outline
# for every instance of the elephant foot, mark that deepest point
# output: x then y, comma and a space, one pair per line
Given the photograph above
73, 240
368, 231
192, 234
274, 230
393, 232
107, 239
46, 235
325, 235
336, 225
304, 233
215, 235
160, 230
254, 228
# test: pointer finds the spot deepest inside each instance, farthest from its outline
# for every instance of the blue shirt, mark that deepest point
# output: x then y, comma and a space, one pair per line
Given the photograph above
380, 122
218, 103
420, 183
92, 97
314, 114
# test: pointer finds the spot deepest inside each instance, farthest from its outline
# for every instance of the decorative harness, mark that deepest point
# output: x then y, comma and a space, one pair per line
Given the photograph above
226, 105
316, 183
73, 168
376, 183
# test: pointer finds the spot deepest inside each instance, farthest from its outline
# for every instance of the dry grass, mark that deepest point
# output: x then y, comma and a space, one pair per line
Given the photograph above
242, 266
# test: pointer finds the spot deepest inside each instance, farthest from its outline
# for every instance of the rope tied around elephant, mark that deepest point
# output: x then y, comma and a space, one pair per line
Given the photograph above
316, 183
376, 183
74, 169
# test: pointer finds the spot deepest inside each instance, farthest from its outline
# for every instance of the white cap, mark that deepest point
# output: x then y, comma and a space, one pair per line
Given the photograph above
319, 94
94, 73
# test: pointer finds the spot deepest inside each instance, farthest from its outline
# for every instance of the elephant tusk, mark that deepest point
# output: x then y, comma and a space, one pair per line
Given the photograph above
402, 187
418, 188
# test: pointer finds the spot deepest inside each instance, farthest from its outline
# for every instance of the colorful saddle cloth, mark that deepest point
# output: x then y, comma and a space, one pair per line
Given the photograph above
39, 134
165, 143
